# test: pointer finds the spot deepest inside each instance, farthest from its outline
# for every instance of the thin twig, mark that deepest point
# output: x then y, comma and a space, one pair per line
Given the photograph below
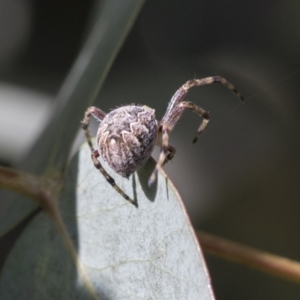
260, 260
45, 192
29, 185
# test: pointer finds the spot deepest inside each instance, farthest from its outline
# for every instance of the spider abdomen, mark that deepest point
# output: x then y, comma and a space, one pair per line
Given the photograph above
126, 138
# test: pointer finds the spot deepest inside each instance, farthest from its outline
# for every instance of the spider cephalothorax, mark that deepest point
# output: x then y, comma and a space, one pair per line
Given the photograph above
128, 134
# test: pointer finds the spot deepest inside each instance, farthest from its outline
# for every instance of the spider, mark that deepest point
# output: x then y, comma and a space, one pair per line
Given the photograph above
127, 135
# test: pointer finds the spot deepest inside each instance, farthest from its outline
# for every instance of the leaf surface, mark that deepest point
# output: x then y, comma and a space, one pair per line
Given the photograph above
149, 252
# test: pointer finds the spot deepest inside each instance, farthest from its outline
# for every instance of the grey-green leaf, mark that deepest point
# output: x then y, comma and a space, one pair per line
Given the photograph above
149, 252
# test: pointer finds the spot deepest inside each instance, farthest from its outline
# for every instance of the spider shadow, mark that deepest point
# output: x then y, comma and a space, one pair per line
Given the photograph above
143, 175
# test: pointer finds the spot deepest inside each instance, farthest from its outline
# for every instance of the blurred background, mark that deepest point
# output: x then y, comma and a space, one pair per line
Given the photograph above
241, 179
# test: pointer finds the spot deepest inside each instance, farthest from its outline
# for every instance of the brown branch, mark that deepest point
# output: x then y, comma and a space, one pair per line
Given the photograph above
43, 190
263, 261
25, 184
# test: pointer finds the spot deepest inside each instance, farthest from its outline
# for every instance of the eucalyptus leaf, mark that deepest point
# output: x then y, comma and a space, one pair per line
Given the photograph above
149, 252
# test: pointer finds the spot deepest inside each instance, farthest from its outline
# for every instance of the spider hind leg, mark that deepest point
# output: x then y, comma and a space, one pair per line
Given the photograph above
109, 179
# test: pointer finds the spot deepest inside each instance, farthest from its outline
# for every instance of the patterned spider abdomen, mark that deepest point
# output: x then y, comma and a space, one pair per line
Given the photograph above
126, 138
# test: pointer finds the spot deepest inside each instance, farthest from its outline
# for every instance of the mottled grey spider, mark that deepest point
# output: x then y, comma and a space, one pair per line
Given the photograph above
127, 135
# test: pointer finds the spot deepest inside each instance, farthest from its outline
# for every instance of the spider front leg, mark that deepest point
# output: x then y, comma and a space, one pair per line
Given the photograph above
175, 110
166, 128
110, 180
199, 111
163, 157
98, 114
171, 154
209, 80
170, 149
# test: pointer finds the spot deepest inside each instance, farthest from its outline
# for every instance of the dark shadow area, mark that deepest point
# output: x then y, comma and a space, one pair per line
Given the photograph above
144, 174
167, 187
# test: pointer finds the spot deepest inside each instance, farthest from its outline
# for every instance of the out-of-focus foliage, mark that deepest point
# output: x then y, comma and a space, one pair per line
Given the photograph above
241, 179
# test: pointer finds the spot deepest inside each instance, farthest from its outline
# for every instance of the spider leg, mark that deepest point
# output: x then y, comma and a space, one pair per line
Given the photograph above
97, 114
200, 82
165, 146
171, 154
174, 112
110, 180
171, 149
210, 80
199, 111
172, 116
163, 158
